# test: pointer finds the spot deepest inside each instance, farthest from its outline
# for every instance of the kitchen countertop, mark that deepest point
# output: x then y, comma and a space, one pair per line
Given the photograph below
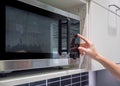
37, 75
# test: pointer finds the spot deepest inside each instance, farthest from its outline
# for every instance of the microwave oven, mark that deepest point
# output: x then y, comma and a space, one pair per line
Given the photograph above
35, 35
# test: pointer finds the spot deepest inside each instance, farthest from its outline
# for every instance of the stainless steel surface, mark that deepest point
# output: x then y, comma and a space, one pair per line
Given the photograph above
50, 8
34, 76
14, 65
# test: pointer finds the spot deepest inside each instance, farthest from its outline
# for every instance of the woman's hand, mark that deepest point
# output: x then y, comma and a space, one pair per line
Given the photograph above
87, 47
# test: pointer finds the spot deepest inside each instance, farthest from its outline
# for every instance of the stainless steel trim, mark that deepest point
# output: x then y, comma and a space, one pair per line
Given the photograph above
50, 8
14, 65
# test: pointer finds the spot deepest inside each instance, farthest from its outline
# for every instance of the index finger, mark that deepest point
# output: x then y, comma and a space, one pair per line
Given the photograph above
83, 38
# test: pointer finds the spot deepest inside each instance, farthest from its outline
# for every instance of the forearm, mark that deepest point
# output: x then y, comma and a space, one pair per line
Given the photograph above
111, 66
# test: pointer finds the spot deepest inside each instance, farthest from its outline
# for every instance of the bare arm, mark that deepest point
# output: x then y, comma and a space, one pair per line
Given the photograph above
111, 66
89, 49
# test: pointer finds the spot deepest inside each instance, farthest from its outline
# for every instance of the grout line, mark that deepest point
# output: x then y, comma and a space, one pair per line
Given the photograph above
84, 80
53, 81
76, 83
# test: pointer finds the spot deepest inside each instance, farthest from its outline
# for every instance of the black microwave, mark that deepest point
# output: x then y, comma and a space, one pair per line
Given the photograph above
35, 35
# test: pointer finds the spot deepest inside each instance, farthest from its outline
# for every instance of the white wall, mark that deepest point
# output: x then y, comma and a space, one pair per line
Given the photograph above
92, 78
105, 78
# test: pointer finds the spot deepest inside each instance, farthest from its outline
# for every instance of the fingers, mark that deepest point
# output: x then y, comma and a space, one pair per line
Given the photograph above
82, 50
73, 48
83, 45
83, 38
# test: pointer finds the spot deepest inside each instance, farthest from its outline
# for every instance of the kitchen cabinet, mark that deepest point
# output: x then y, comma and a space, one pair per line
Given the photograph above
118, 28
106, 3
103, 3
104, 33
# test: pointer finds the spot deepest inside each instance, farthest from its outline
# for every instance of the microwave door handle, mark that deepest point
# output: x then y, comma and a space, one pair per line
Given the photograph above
60, 40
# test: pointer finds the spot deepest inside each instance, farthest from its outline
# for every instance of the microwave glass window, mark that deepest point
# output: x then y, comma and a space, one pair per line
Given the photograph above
54, 39
27, 32
74, 29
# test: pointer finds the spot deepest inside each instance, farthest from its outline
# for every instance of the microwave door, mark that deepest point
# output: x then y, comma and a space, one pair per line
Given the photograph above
63, 42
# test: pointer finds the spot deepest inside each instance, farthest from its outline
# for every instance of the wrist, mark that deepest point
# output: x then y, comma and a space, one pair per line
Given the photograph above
98, 57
